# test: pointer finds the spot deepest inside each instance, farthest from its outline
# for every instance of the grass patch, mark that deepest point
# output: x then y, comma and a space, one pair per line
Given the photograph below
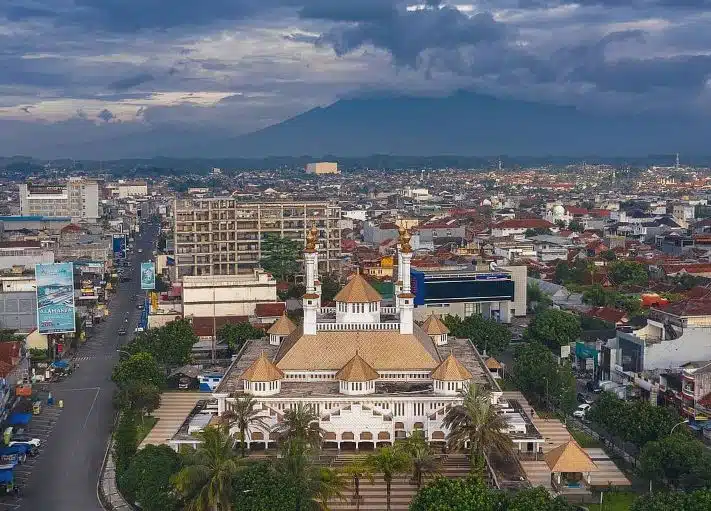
145, 425
614, 501
584, 440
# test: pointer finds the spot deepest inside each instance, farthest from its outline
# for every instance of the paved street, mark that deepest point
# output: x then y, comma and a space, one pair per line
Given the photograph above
66, 475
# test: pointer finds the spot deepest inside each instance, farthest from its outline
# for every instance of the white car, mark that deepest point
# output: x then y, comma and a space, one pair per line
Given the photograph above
581, 411
34, 442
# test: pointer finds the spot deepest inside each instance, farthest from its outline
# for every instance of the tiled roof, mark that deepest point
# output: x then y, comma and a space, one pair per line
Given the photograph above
451, 369
434, 326
607, 314
523, 223
569, 457
358, 291
268, 310
262, 370
357, 369
492, 363
381, 349
282, 326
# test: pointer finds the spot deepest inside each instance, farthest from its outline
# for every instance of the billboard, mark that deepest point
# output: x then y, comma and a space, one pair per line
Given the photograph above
148, 275
482, 287
119, 246
55, 298
97, 268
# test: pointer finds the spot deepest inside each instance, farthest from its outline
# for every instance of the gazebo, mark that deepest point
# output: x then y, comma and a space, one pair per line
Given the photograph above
570, 467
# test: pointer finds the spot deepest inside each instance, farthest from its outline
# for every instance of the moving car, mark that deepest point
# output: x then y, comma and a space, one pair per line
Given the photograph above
581, 411
122, 331
582, 398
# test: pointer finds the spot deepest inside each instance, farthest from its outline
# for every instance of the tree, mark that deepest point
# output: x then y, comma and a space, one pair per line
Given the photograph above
297, 468
10, 335
329, 288
608, 255
235, 335
562, 273
477, 422
538, 374
170, 345
390, 462
421, 457
534, 295
138, 368
242, 414
537, 499
125, 441
554, 328
487, 335
358, 469
300, 423
262, 487
678, 461
138, 397
329, 485
628, 272
444, 494
576, 226
147, 478
699, 500
537, 232
280, 256
205, 481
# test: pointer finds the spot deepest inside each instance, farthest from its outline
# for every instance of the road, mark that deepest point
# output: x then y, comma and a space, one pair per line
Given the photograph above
66, 476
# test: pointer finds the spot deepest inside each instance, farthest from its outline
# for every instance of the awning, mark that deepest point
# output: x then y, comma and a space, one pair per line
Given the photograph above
60, 364
19, 419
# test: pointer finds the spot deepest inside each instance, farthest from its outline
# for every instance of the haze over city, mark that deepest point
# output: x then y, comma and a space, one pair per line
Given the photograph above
91, 78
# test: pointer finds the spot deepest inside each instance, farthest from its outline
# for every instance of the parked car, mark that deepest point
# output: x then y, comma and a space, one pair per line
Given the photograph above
582, 398
184, 383
139, 306
581, 411
593, 386
25, 439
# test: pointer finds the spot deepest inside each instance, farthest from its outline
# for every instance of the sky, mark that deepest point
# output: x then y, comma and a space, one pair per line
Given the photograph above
100, 70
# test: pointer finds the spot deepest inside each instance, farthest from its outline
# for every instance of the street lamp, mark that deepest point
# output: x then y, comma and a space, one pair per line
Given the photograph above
685, 421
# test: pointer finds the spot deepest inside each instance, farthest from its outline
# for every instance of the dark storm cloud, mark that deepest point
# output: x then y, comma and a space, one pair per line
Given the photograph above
105, 115
407, 34
130, 82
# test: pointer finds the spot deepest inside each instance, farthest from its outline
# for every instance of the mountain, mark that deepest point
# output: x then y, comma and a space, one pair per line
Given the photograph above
469, 124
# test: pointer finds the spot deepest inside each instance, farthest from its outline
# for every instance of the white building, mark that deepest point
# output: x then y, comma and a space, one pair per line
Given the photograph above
125, 189
24, 253
78, 198
227, 295
370, 372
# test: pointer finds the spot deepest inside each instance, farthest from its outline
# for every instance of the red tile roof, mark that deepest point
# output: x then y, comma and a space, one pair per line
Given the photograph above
268, 310
10, 352
690, 307
202, 326
20, 244
690, 268
524, 223
608, 314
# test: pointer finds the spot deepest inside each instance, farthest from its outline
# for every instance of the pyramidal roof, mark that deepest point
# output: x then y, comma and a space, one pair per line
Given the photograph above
357, 369
569, 457
451, 369
358, 291
434, 326
282, 326
262, 369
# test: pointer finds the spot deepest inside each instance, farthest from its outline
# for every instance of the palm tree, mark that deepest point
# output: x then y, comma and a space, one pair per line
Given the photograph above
300, 423
358, 469
423, 460
206, 479
475, 421
389, 461
243, 415
330, 484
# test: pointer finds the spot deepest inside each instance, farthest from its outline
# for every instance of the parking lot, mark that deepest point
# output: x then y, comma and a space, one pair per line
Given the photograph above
41, 427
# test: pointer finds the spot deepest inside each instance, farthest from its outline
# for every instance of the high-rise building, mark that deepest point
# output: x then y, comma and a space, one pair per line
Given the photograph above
322, 167
77, 199
218, 236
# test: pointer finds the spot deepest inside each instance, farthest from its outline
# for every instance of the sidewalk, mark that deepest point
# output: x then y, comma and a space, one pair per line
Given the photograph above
109, 495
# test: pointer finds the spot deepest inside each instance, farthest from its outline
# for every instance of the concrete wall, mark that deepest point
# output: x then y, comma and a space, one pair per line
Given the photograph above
231, 298
18, 311
520, 278
693, 344
28, 261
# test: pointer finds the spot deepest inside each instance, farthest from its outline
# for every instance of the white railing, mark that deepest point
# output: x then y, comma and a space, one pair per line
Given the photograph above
388, 310
357, 326
327, 310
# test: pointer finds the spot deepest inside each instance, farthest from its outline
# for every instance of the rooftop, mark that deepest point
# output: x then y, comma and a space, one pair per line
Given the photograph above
358, 290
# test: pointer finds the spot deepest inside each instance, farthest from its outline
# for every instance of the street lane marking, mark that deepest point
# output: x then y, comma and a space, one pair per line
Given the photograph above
98, 389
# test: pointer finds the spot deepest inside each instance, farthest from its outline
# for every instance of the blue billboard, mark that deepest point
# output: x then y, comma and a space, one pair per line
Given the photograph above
55, 298
119, 246
148, 275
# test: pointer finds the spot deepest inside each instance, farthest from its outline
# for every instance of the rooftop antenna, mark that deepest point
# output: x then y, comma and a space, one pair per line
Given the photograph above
677, 161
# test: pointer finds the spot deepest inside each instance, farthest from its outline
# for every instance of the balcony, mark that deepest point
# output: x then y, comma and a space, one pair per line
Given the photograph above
342, 327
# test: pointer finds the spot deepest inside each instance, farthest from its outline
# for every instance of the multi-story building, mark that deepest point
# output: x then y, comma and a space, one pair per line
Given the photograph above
77, 198
322, 167
24, 254
218, 236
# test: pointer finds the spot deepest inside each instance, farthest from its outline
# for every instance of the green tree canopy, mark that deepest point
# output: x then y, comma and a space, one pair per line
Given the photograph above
677, 461
554, 328
262, 487
486, 334
125, 441
699, 500
235, 335
280, 256
147, 478
139, 368
444, 494
138, 397
537, 499
537, 231
576, 226
537, 372
170, 345
628, 272
329, 288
